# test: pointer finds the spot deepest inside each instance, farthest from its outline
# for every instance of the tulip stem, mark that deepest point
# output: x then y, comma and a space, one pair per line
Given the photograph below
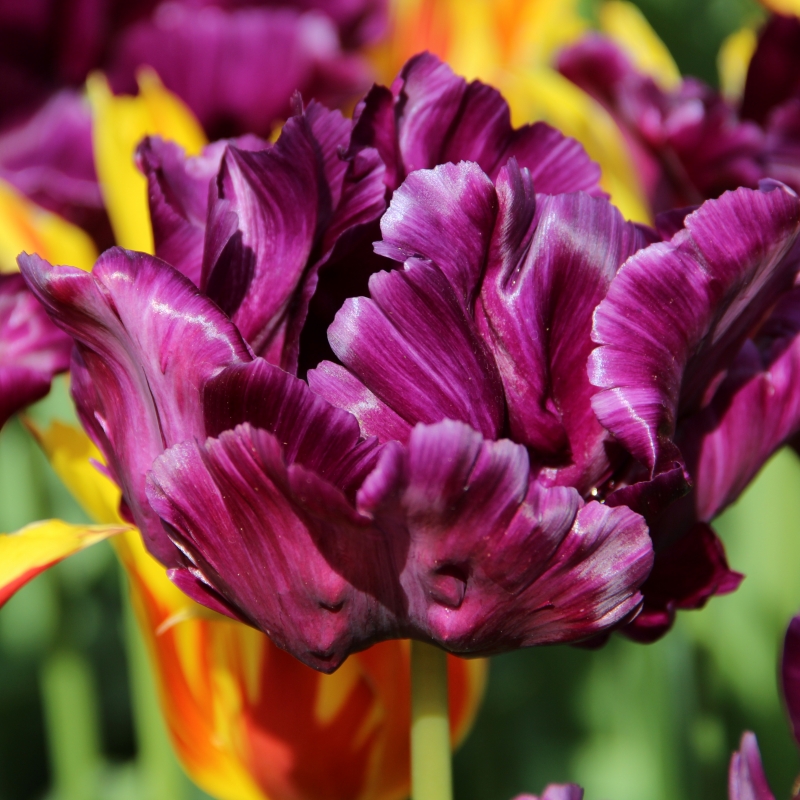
431, 768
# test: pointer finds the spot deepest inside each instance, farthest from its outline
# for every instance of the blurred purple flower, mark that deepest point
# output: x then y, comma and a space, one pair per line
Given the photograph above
213, 54
687, 144
32, 349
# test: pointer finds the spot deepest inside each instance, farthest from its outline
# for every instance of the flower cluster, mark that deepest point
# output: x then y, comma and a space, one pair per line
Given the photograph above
529, 385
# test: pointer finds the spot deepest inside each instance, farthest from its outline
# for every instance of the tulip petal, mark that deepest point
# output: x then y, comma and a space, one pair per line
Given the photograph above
293, 202
456, 198
414, 346
133, 318
438, 118
37, 547
178, 193
774, 73
753, 412
556, 791
790, 674
678, 312
32, 349
685, 575
746, 779
537, 304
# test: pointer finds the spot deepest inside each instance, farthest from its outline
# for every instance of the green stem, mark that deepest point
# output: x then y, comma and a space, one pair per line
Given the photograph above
70, 707
431, 768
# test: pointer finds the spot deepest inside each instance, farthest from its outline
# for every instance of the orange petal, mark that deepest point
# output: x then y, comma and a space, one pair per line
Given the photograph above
26, 553
250, 722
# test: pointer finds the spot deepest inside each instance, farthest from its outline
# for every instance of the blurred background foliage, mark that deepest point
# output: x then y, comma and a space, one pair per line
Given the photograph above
628, 722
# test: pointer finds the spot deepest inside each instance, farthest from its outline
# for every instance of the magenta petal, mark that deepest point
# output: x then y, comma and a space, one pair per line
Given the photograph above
685, 575
216, 60
445, 215
538, 317
312, 432
790, 675
414, 346
277, 217
32, 349
278, 543
432, 116
556, 791
746, 779
753, 412
495, 560
49, 159
678, 312
344, 390
773, 76
178, 191
134, 319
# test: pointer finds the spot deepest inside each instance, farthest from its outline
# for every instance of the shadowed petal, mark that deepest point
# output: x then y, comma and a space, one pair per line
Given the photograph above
754, 411
790, 675
134, 319
746, 779
685, 575
678, 312
178, 194
32, 349
413, 345
277, 216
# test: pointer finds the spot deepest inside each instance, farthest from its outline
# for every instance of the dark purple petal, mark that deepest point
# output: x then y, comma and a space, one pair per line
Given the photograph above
537, 317
178, 193
216, 60
685, 575
49, 159
688, 143
311, 432
414, 346
147, 342
678, 312
746, 779
773, 76
276, 542
432, 116
32, 349
495, 560
345, 390
445, 215
753, 412
783, 144
790, 675
277, 217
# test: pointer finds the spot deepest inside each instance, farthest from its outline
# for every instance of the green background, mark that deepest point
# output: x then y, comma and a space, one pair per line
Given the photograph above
78, 719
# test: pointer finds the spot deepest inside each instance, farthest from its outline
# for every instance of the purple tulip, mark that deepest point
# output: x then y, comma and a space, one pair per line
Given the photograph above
32, 349
272, 505
687, 144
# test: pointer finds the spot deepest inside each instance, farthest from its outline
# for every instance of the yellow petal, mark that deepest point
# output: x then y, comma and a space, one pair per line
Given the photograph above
477, 37
627, 26
118, 125
71, 452
25, 226
249, 722
786, 7
26, 553
733, 60
544, 94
